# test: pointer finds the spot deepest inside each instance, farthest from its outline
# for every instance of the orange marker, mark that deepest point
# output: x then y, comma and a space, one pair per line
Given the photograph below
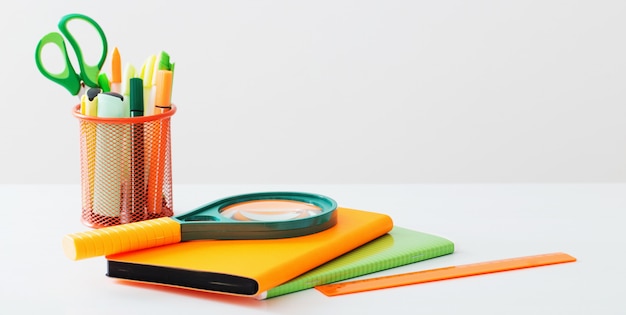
157, 160
444, 273
162, 101
116, 72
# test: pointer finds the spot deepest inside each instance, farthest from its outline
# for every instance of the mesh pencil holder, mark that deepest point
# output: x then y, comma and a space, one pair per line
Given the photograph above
125, 168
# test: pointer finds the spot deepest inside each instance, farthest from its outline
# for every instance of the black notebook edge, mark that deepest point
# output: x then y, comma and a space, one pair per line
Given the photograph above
201, 280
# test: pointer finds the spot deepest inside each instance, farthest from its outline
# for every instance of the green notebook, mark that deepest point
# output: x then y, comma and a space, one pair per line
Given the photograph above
397, 248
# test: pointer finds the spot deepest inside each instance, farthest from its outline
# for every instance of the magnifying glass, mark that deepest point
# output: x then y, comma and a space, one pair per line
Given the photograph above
265, 215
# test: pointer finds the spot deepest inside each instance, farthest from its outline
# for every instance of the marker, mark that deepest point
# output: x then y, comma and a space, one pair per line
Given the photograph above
103, 82
88, 137
162, 101
116, 109
93, 92
147, 71
91, 104
136, 97
110, 105
151, 140
112, 157
116, 72
162, 63
90, 132
157, 155
137, 174
83, 104
129, 73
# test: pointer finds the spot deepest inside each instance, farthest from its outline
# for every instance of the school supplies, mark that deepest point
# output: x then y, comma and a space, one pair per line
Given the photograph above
264, 215
155, 178
115, 144
162, 63
75, 82
138, 178
444, 273
104, 83
247, 267
112, 180
115, 132
147, 72
163, 86
129, 73
116, 72
399, 247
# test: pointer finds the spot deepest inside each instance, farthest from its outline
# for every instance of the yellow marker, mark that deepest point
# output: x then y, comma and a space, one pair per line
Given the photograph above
88, 137
83, 103
147, 71
129, 73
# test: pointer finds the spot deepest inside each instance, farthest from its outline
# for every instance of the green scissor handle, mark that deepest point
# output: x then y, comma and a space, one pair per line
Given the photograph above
68, 78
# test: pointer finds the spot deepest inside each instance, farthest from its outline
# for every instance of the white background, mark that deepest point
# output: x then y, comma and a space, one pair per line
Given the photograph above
345, 91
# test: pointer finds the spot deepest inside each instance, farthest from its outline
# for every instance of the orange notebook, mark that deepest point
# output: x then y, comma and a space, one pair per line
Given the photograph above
247, 267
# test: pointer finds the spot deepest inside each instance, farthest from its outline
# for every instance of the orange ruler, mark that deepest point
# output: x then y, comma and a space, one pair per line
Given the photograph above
444, 273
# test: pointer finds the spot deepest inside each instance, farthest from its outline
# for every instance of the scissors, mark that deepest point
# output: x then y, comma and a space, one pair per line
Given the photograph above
74, 82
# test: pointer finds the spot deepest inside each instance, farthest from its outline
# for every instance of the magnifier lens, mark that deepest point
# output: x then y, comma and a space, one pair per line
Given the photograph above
270, 210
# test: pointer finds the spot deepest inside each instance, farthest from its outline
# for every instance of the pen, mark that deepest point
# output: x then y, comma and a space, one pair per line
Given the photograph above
138, 185
116, 72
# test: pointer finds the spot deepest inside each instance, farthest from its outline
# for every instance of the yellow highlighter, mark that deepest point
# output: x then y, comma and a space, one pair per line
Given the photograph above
147, 71
89, 107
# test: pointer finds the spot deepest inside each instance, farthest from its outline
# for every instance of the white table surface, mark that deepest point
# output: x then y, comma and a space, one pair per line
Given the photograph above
485, 221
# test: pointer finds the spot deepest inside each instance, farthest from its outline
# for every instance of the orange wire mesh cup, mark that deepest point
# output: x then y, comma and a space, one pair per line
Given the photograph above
125, 168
